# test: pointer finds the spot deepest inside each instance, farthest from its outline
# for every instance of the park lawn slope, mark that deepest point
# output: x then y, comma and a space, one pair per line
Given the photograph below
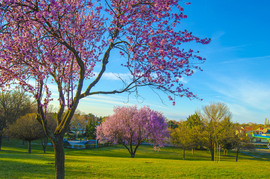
115, 162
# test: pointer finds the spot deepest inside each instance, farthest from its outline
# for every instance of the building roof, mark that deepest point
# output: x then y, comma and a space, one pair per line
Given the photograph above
248, 128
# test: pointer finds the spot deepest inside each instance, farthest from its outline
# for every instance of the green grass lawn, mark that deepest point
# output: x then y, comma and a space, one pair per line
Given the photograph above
115, 162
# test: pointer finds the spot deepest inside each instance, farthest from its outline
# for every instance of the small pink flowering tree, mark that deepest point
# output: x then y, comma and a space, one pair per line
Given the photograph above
130, 127
66, 42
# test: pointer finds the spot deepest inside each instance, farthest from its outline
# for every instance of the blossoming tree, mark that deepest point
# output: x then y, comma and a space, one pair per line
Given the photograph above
130, 127
66, 42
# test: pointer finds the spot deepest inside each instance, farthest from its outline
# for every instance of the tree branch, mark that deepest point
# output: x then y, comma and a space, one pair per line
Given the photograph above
104, 63
127, 88
125, 146
41, 117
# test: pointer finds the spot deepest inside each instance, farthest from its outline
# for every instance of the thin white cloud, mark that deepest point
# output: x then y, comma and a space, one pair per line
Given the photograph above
121, 100
184, 80
247, 93
115, 76
118, 100
242, 114
251, 59
128, 76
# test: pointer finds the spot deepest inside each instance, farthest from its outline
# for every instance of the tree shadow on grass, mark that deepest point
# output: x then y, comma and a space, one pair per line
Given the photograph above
23, 167
40, 166
19, 165
142, 152
171, 153
29, 169
255, 155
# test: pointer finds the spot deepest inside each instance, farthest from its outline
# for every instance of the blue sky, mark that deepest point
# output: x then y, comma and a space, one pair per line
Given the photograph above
236, 71
237, 68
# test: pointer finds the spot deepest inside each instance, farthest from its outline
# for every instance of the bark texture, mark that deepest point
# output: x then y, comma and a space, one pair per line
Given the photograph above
29, 146
59, 157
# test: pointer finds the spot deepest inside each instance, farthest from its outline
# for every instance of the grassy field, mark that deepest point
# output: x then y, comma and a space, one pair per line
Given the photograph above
114, 162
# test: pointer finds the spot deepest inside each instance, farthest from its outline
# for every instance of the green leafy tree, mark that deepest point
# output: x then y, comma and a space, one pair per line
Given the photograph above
26, 128
212, 115
90, 129
196, 125
226, 136
12, 106
172, 124
182, 137
194, 120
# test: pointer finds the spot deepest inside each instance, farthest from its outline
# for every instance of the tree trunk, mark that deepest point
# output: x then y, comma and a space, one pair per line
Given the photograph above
44, 143
59, 157
132, 155
44, 148
237, 152
184, 153
192, 151
212, 154
29, 146
224, 152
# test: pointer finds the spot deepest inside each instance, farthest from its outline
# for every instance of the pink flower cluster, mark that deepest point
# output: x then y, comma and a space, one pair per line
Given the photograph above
129, 125
49, 41
62, 41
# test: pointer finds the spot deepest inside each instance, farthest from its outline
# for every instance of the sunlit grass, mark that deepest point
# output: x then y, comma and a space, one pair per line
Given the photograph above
115, 162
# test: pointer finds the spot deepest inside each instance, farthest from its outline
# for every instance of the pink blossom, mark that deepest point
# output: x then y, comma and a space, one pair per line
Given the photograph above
66, 42
129, 125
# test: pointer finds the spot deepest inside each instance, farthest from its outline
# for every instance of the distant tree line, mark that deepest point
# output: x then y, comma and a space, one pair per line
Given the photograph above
13, 105
210, 128
18, 120
84, 126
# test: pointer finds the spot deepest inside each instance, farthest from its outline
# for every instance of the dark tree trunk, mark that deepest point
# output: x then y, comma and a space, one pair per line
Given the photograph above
59, 157
237, 152
212, 154
132, 155
29, 146
184, 153
44, 143
130, 148
22, 142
